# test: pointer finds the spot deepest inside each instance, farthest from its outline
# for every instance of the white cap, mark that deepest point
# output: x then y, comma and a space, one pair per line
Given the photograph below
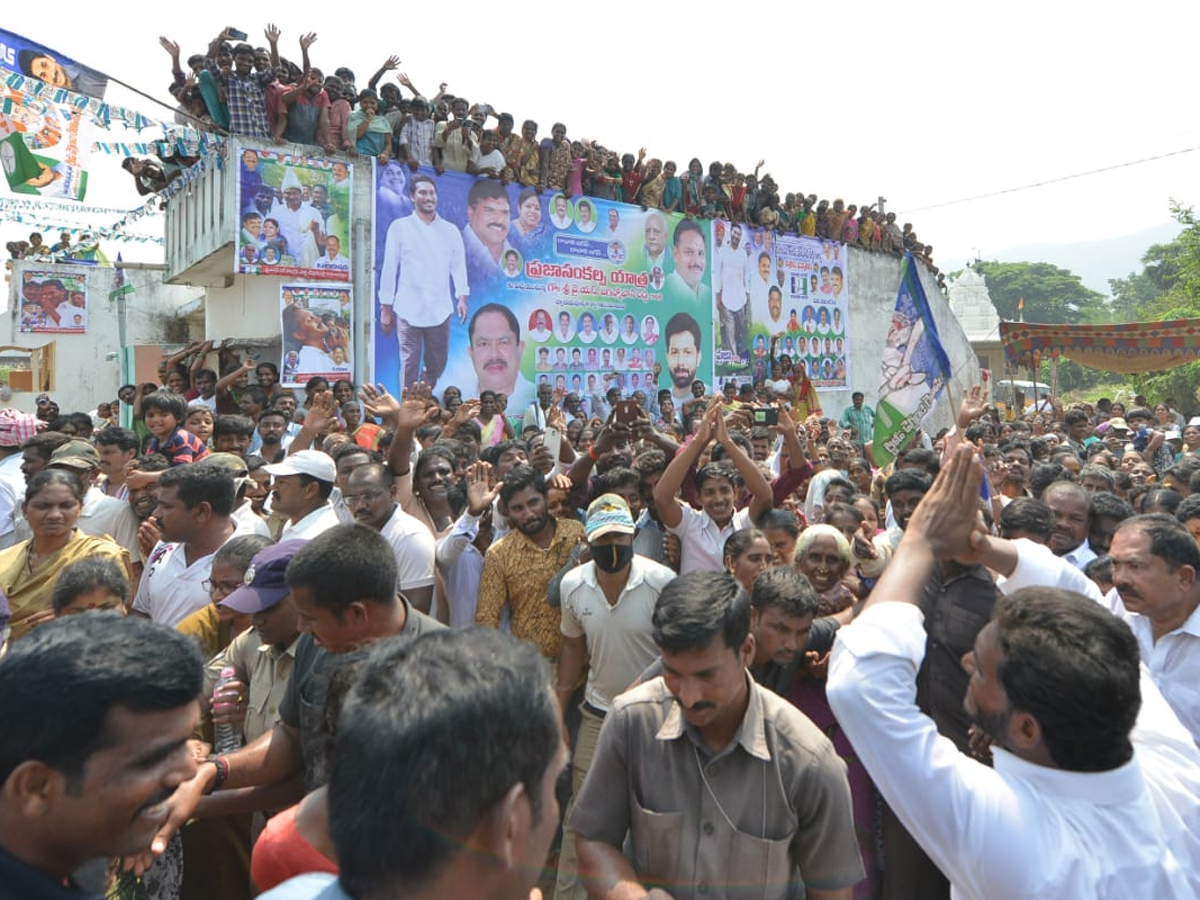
290, 180
312, 463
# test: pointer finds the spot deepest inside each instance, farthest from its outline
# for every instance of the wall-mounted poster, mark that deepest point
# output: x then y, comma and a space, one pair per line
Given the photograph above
54, 301
317, 341
295, 216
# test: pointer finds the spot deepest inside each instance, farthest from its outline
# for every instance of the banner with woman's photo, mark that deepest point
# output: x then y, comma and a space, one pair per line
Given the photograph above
54, 300
294, 216
486, 286
777, 296
315, 322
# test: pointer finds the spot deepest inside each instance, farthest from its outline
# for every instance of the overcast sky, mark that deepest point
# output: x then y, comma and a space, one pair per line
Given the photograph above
920, 103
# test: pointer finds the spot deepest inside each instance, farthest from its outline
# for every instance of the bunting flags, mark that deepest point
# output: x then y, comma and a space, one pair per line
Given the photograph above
915, 369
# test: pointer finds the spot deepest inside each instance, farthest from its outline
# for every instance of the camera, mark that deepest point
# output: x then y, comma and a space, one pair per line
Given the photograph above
766, 415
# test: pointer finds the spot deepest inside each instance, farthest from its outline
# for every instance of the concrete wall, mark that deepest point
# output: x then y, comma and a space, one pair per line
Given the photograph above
873, 280
87, 367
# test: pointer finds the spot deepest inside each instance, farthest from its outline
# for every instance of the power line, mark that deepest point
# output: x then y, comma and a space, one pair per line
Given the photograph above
1037, 184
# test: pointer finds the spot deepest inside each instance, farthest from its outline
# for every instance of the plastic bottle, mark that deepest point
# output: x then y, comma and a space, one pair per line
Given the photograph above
226, 737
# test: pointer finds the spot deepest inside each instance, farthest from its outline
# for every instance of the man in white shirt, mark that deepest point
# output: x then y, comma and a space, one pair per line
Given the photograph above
732, 290
194, 503
702, 534
561, 218
1071, 506
1155, 566
607, 608
370, 496
538, 412
1086, 799
300, 489
332, 258
299, 222
422, 252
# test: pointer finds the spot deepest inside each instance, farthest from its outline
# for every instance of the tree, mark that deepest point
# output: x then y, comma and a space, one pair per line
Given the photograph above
1051, 294
1168, 287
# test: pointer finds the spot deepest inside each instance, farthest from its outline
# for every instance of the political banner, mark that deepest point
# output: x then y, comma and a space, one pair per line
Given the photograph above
35, 61
54, 301
41, 149
486, 286
295, 216
915, 369
775, 296
315, 322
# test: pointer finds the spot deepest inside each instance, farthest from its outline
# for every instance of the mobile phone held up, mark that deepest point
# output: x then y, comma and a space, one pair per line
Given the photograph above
766, 415
625, 412
235, 34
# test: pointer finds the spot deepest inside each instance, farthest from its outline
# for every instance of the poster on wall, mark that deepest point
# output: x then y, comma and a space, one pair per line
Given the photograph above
54, 301
775, 296
41, 149
315, 322
295, 216
486, 286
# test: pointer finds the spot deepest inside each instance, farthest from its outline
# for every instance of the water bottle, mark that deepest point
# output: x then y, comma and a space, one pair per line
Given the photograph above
226, 737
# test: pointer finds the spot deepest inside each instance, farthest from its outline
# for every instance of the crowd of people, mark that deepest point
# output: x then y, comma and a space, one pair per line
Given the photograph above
723, 608
237, 88
86, 249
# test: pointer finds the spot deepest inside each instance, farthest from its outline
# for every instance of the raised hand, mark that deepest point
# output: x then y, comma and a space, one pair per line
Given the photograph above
321, 415
170, 46
416, 408
946, 515
272, 32
973, 405
481, 493
390, 64
379, 403
307, 40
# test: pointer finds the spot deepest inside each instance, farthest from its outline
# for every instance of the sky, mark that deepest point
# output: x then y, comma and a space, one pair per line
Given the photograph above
923, 104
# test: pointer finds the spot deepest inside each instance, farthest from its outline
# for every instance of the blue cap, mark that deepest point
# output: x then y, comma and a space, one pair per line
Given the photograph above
264, 584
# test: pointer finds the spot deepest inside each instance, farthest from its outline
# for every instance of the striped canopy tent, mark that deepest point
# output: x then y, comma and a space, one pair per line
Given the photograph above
1131, 348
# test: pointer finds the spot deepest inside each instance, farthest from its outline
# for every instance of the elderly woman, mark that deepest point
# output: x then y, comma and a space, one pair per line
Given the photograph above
30, 570
823, 556
747, 552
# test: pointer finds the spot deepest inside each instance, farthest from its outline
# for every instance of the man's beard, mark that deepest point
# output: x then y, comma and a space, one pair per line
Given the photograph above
682, 378
531, 528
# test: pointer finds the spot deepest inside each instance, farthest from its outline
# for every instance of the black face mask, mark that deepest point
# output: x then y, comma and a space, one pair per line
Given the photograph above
612, 557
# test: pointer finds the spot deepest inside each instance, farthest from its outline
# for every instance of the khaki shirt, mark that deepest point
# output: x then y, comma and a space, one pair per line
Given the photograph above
766, 816
264, 669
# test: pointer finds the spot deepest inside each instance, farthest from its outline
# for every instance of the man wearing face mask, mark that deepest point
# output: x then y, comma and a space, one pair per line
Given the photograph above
607, 606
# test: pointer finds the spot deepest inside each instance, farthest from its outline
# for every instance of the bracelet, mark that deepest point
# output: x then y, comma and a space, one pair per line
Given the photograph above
221, 764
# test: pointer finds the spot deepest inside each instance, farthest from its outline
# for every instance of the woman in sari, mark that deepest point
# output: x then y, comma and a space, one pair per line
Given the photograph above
29, 570
493, 427
823, 555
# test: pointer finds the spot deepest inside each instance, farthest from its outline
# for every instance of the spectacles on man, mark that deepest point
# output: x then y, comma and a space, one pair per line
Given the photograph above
368, 497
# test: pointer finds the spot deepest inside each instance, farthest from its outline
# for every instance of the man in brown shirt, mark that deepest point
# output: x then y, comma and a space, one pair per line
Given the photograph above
726, 789
518, 568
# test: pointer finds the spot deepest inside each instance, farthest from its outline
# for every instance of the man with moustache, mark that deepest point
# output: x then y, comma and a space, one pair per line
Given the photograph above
485, 236
1155, 563
86, 772
370, 496
300, 489
422, 252
654, 250
518, 568
1082, 745
495, 347
683, 355
686, 283
718, 782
